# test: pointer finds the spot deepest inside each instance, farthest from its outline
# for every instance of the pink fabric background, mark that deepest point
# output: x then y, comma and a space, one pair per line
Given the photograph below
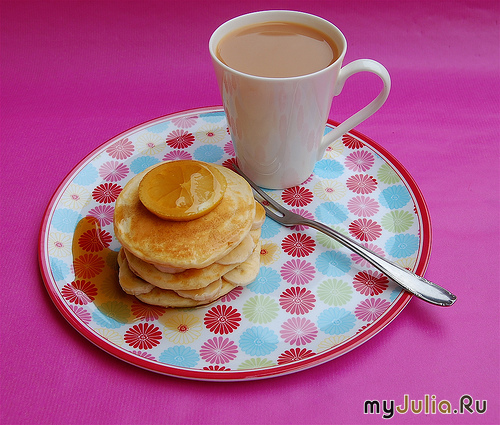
74, 74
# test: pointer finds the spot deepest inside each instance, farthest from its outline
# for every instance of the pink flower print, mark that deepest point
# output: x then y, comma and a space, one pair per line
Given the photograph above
363, 206
144, 355
177, 155
365, 229
103, 213
218, 350
308, 180
361, 184
229, 148
185, 122
113, 171
231, 296
361, 261
297, 272
304, 213
297, 300
371, 308
298, 331
121, 149
82, 314
359, 161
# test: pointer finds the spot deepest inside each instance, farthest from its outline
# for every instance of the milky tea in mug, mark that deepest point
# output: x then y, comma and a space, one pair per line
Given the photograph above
277, 50
278, 71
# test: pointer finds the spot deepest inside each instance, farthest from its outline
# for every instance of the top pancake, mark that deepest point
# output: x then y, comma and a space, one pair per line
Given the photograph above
189, 244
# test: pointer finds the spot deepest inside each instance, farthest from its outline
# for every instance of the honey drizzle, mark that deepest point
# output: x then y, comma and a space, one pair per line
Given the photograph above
97, 265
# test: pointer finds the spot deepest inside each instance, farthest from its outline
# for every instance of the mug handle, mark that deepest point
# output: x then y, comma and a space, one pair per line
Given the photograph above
352, 68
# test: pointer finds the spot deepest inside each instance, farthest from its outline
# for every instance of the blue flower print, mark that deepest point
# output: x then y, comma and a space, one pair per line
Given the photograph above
266, 281
336, 321
394, 197
258, 341
394, 294
158, 128
180, 355
65, 220
327, 130
213, 117
269, 229
328, 169
138, 165
59, 268
87, 176
401, 246
105, 321
208, 153
331, 213
333, 263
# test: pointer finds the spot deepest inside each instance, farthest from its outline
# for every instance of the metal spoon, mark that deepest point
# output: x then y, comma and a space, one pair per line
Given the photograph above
417, 285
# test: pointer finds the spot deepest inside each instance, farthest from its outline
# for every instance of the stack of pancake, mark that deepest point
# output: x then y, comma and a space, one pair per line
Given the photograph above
188, 263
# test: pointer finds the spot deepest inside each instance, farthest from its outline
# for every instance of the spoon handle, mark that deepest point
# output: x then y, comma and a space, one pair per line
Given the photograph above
417, 285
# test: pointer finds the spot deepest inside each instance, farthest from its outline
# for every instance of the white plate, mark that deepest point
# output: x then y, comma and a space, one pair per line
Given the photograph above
312, 301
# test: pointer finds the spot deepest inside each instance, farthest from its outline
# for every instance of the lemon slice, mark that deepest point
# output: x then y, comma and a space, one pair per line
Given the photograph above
182, 190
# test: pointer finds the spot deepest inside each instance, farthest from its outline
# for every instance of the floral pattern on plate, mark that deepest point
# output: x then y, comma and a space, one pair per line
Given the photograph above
312, 300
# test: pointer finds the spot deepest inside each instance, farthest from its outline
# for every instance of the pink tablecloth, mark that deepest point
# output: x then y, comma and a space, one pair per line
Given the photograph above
74, 74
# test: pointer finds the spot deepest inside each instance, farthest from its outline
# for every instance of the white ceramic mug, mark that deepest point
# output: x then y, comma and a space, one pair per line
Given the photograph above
277, 124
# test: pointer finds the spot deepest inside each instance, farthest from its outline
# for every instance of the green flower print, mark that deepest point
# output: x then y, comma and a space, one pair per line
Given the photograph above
260, 309
397, 221
334, 292
387, 175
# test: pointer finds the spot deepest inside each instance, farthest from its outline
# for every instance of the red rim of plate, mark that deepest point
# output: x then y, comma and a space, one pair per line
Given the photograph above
248, 374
